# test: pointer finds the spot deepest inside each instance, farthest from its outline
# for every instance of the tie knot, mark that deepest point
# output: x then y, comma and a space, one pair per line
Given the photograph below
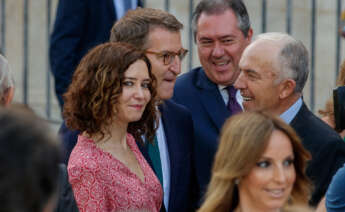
231, 91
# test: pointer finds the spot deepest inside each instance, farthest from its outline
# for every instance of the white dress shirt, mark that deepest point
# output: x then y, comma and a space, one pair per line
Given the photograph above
165, 162
290, 113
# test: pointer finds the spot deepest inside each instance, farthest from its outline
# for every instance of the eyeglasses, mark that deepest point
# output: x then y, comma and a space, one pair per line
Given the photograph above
169, 56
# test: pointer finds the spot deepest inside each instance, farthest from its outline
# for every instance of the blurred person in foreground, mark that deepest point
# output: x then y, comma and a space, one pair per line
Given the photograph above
274, 70
112, 102
29, 157
6, 82
266, 168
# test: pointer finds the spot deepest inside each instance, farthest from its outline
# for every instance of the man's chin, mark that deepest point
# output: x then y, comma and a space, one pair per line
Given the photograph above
166, 91
248, 106
165, 95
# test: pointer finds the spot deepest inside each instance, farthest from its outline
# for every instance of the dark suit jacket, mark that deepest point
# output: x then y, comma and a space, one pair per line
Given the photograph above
66, 201
326, 147
178, 128
202, 97
79, 26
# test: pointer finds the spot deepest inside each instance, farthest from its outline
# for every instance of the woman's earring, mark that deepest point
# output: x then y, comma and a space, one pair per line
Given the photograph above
237, 181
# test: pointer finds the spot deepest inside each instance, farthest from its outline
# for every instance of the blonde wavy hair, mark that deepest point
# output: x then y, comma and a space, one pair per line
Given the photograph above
244, 138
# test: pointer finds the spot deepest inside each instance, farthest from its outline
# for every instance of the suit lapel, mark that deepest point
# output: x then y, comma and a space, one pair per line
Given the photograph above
211, 99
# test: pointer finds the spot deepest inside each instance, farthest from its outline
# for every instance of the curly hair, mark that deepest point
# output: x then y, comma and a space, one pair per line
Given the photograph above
96, 86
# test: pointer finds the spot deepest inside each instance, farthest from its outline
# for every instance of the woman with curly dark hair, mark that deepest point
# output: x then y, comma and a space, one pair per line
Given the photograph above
111, 101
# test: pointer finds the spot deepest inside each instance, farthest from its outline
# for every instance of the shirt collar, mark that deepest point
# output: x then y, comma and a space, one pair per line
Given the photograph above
290, 113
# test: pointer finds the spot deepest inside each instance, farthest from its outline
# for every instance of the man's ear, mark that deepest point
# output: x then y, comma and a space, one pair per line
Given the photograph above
287, 88
250, 35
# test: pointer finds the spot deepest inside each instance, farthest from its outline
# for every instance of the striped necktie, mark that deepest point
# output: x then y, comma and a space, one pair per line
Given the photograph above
233, 105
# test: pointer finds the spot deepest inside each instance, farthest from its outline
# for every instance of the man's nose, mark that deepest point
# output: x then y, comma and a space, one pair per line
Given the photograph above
218, 50
175, 65
239, 83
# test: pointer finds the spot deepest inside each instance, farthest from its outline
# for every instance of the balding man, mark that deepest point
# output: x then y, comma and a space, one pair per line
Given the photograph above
274, 70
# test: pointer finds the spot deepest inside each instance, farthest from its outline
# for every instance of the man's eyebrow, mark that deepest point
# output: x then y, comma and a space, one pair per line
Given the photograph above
251, 71
227, 36
205, 38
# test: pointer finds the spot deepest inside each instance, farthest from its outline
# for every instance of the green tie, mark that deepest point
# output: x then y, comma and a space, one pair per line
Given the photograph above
156, 159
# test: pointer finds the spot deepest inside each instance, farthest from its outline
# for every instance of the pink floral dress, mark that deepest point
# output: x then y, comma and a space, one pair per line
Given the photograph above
102, 183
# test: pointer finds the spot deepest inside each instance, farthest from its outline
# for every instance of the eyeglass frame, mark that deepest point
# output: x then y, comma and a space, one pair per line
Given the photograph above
163, 54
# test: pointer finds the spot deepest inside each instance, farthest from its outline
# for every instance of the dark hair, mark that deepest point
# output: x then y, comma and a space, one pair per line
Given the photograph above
29, 157
135, 26
211, 7
95, 89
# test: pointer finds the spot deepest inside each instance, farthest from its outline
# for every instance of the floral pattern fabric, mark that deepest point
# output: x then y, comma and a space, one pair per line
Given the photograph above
102, 183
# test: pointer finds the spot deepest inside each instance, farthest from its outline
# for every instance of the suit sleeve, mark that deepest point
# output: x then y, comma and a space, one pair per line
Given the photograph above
335, 198
67, 33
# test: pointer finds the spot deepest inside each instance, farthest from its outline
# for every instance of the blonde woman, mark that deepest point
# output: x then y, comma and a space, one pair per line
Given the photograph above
259, 166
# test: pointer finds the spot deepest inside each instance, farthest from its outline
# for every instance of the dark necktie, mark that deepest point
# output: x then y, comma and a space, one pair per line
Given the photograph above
233, 105
154, 154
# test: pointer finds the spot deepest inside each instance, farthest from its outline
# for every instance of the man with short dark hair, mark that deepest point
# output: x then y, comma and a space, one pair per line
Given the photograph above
274, 82
221, 31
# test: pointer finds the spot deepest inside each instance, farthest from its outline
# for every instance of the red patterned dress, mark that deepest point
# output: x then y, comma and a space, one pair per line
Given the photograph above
102, 183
